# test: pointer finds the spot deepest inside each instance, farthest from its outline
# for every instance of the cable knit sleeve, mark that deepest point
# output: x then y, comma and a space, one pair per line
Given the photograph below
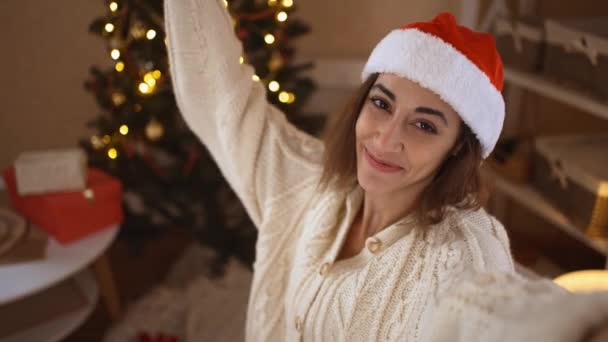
495, 306
261, 155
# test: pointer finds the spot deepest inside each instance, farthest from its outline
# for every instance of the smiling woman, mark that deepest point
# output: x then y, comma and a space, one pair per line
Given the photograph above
375, 233
416, 142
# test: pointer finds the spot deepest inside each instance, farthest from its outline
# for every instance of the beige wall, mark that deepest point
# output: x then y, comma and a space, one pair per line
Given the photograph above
46, 53
351, 28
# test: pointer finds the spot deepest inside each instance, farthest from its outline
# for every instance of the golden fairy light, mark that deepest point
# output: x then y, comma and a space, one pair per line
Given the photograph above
255, 78
291, 98
150, 34
113, 6
269, 38
272, 2
144, 88
282, 16
106, 139
120, 66
149, 79
109, 27
115, 53
112, 153
274, 86
124, 129
283, 97
156, 74
241, 60
287, 3
225, 3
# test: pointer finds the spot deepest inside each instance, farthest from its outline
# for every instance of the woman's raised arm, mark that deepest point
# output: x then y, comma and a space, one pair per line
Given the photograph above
261, 155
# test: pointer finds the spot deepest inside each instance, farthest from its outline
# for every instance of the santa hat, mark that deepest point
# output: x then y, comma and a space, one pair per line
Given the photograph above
460, 65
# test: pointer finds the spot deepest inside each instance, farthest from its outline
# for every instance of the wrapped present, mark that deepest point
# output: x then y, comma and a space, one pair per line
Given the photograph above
577, 53
69, 216
51, 171
572, 172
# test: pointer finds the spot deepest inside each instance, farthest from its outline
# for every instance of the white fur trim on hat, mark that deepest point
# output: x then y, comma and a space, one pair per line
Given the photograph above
439, 67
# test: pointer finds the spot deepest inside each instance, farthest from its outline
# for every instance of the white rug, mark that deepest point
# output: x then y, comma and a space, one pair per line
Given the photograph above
189, 305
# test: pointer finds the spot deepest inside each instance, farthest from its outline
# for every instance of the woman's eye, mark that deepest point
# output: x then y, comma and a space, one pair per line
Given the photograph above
380, 103
426, 127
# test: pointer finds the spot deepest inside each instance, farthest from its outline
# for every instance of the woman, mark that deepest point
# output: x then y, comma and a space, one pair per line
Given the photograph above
376, 233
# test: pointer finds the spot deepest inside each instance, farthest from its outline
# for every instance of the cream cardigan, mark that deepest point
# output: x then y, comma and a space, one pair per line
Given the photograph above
405, 285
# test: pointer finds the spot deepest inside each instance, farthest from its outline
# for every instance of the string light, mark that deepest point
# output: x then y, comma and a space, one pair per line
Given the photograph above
109, 27
269, 38
144, 88
115, 54
287, 3
291, 98
150, 34
149, 79
241, 60
255, 78
112, 153
124, 129
225, 3
281, 16
113, 6
118, 98
106, 139
283, 97
274, 86
120, 66
272, 2
156, 74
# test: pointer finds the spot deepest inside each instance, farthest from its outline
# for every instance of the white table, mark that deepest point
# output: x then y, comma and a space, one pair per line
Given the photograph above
62, 261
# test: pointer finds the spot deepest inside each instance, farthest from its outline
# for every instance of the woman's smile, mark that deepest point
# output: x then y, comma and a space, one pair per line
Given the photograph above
379, 164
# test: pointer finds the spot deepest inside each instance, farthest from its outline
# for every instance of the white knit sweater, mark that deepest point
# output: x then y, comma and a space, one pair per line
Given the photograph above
406, 285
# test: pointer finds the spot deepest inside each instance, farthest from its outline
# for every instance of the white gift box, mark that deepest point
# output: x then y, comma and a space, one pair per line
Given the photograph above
51, 171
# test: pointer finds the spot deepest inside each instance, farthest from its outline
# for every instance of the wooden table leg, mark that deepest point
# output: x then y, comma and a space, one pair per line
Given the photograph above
107, 286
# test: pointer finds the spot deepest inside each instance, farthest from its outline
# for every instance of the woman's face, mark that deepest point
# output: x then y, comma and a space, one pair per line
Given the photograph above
403, 134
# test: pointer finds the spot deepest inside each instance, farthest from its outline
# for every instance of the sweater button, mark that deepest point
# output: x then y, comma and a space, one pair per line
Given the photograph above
324, 269
373, 244
299, 323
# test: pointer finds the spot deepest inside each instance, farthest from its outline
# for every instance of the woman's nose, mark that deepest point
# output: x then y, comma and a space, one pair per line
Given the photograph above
389, 137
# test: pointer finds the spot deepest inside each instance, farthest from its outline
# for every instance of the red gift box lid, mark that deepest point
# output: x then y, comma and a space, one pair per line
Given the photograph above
71, 215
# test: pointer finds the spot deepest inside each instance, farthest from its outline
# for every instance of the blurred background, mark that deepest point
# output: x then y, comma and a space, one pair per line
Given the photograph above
86, 83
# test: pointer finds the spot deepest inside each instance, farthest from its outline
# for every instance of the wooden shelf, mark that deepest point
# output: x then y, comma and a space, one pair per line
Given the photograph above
543, 86
533, 200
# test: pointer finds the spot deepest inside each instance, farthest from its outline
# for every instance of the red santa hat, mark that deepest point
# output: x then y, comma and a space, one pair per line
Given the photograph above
460, 65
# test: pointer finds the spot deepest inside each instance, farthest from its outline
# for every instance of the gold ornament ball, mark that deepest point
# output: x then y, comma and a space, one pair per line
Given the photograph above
118, 98
154, 130
276, 62
138, 31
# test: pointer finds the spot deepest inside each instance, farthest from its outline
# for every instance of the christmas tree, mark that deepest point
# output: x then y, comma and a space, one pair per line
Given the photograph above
169, 178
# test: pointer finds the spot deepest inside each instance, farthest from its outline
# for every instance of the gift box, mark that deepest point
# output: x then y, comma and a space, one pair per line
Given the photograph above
54, 170
69, 216
577, 53
572, 173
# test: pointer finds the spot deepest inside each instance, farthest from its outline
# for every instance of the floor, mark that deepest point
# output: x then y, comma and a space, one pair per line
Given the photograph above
134, 276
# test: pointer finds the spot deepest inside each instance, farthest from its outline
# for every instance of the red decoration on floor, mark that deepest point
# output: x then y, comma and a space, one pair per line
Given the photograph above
160, 337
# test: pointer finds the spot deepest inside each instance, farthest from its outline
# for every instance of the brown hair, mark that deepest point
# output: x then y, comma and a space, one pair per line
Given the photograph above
457, 183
